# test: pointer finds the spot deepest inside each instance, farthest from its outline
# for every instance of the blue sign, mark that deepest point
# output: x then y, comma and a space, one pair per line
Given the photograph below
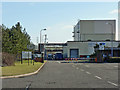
102, 43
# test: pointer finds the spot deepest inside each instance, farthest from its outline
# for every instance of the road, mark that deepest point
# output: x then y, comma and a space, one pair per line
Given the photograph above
69, 75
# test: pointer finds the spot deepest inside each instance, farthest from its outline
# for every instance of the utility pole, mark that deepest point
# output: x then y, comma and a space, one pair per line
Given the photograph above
112, 33
37, 40
40, 38
45, 38
45, 47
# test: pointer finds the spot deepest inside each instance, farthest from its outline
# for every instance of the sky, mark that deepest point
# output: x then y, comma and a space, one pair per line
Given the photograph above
57, 17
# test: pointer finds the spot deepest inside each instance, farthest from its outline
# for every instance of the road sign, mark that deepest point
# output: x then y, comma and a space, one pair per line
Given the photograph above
26, 54
101, 46
31, 46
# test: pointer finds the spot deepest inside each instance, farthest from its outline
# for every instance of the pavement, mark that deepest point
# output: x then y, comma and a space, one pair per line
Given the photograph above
69, 75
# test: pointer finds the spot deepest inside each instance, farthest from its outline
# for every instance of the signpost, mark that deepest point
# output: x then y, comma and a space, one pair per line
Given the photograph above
26, 55
31, 47
101, 46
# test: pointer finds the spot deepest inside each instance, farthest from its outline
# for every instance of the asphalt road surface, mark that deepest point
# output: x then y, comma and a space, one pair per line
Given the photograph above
69, 75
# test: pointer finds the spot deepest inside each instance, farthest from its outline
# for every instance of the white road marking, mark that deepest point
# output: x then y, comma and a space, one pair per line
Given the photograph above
112, 83
81, 69
73, 66
28, 86
77, 68
98, 77
115, 66
87, 65
88, 72
58, 61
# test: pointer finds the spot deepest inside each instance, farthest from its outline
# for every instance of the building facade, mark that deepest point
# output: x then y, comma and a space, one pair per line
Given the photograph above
86, 30
77, 49
51, 48
89, 33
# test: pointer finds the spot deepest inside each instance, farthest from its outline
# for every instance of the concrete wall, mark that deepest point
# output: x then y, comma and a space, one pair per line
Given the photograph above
95, 30
86, 27
76, 35
85, 37
65, 52
86, 48
83, 48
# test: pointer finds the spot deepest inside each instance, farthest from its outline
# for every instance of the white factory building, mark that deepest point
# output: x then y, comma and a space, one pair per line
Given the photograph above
86, 30
88, 33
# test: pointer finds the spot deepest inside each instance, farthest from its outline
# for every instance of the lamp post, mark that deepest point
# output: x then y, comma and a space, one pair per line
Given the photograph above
45, 51
111, 38
40, 38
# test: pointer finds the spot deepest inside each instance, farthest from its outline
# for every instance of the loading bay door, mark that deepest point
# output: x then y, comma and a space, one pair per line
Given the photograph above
74, 53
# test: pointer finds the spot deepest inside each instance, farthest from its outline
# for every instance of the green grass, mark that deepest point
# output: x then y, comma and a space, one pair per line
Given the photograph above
20, 68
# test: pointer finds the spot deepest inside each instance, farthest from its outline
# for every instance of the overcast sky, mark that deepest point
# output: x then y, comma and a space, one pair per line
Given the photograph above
57, 17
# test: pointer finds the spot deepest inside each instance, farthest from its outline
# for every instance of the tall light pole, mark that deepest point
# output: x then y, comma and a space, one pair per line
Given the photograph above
45, 51
40, 37
111, 38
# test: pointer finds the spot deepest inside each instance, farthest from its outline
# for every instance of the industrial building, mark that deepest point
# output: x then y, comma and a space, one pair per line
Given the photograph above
77, 49
88, 33
86, 30
51, 48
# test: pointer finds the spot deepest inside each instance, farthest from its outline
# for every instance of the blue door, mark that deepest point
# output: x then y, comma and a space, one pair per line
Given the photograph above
74, 53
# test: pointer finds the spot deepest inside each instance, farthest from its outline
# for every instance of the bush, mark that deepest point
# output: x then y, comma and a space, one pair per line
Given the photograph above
8, 59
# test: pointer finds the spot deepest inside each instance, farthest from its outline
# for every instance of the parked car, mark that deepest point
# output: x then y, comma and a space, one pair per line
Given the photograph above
37, 57
58, 56
50, 57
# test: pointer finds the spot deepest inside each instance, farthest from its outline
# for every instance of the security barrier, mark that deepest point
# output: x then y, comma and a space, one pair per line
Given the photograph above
81, 59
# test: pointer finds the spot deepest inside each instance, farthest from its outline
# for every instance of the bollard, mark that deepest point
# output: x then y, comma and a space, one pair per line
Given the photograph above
76, 59
95, 59
65, 59
73, 59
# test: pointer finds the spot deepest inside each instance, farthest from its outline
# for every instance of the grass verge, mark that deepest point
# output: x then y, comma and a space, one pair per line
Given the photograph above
19, 68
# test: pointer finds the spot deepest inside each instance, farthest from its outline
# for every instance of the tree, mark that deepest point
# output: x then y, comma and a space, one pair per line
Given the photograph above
15, 40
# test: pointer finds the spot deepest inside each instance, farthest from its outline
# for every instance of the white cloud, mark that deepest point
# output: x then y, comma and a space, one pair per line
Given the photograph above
115, 11
68, 27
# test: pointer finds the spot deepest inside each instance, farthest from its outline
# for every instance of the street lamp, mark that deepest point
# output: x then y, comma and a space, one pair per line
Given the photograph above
40, 37
111, 37
45, 51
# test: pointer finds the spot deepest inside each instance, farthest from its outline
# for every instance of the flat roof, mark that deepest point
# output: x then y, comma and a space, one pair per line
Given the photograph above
96, 20
95, 41
53, 43
100, 20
